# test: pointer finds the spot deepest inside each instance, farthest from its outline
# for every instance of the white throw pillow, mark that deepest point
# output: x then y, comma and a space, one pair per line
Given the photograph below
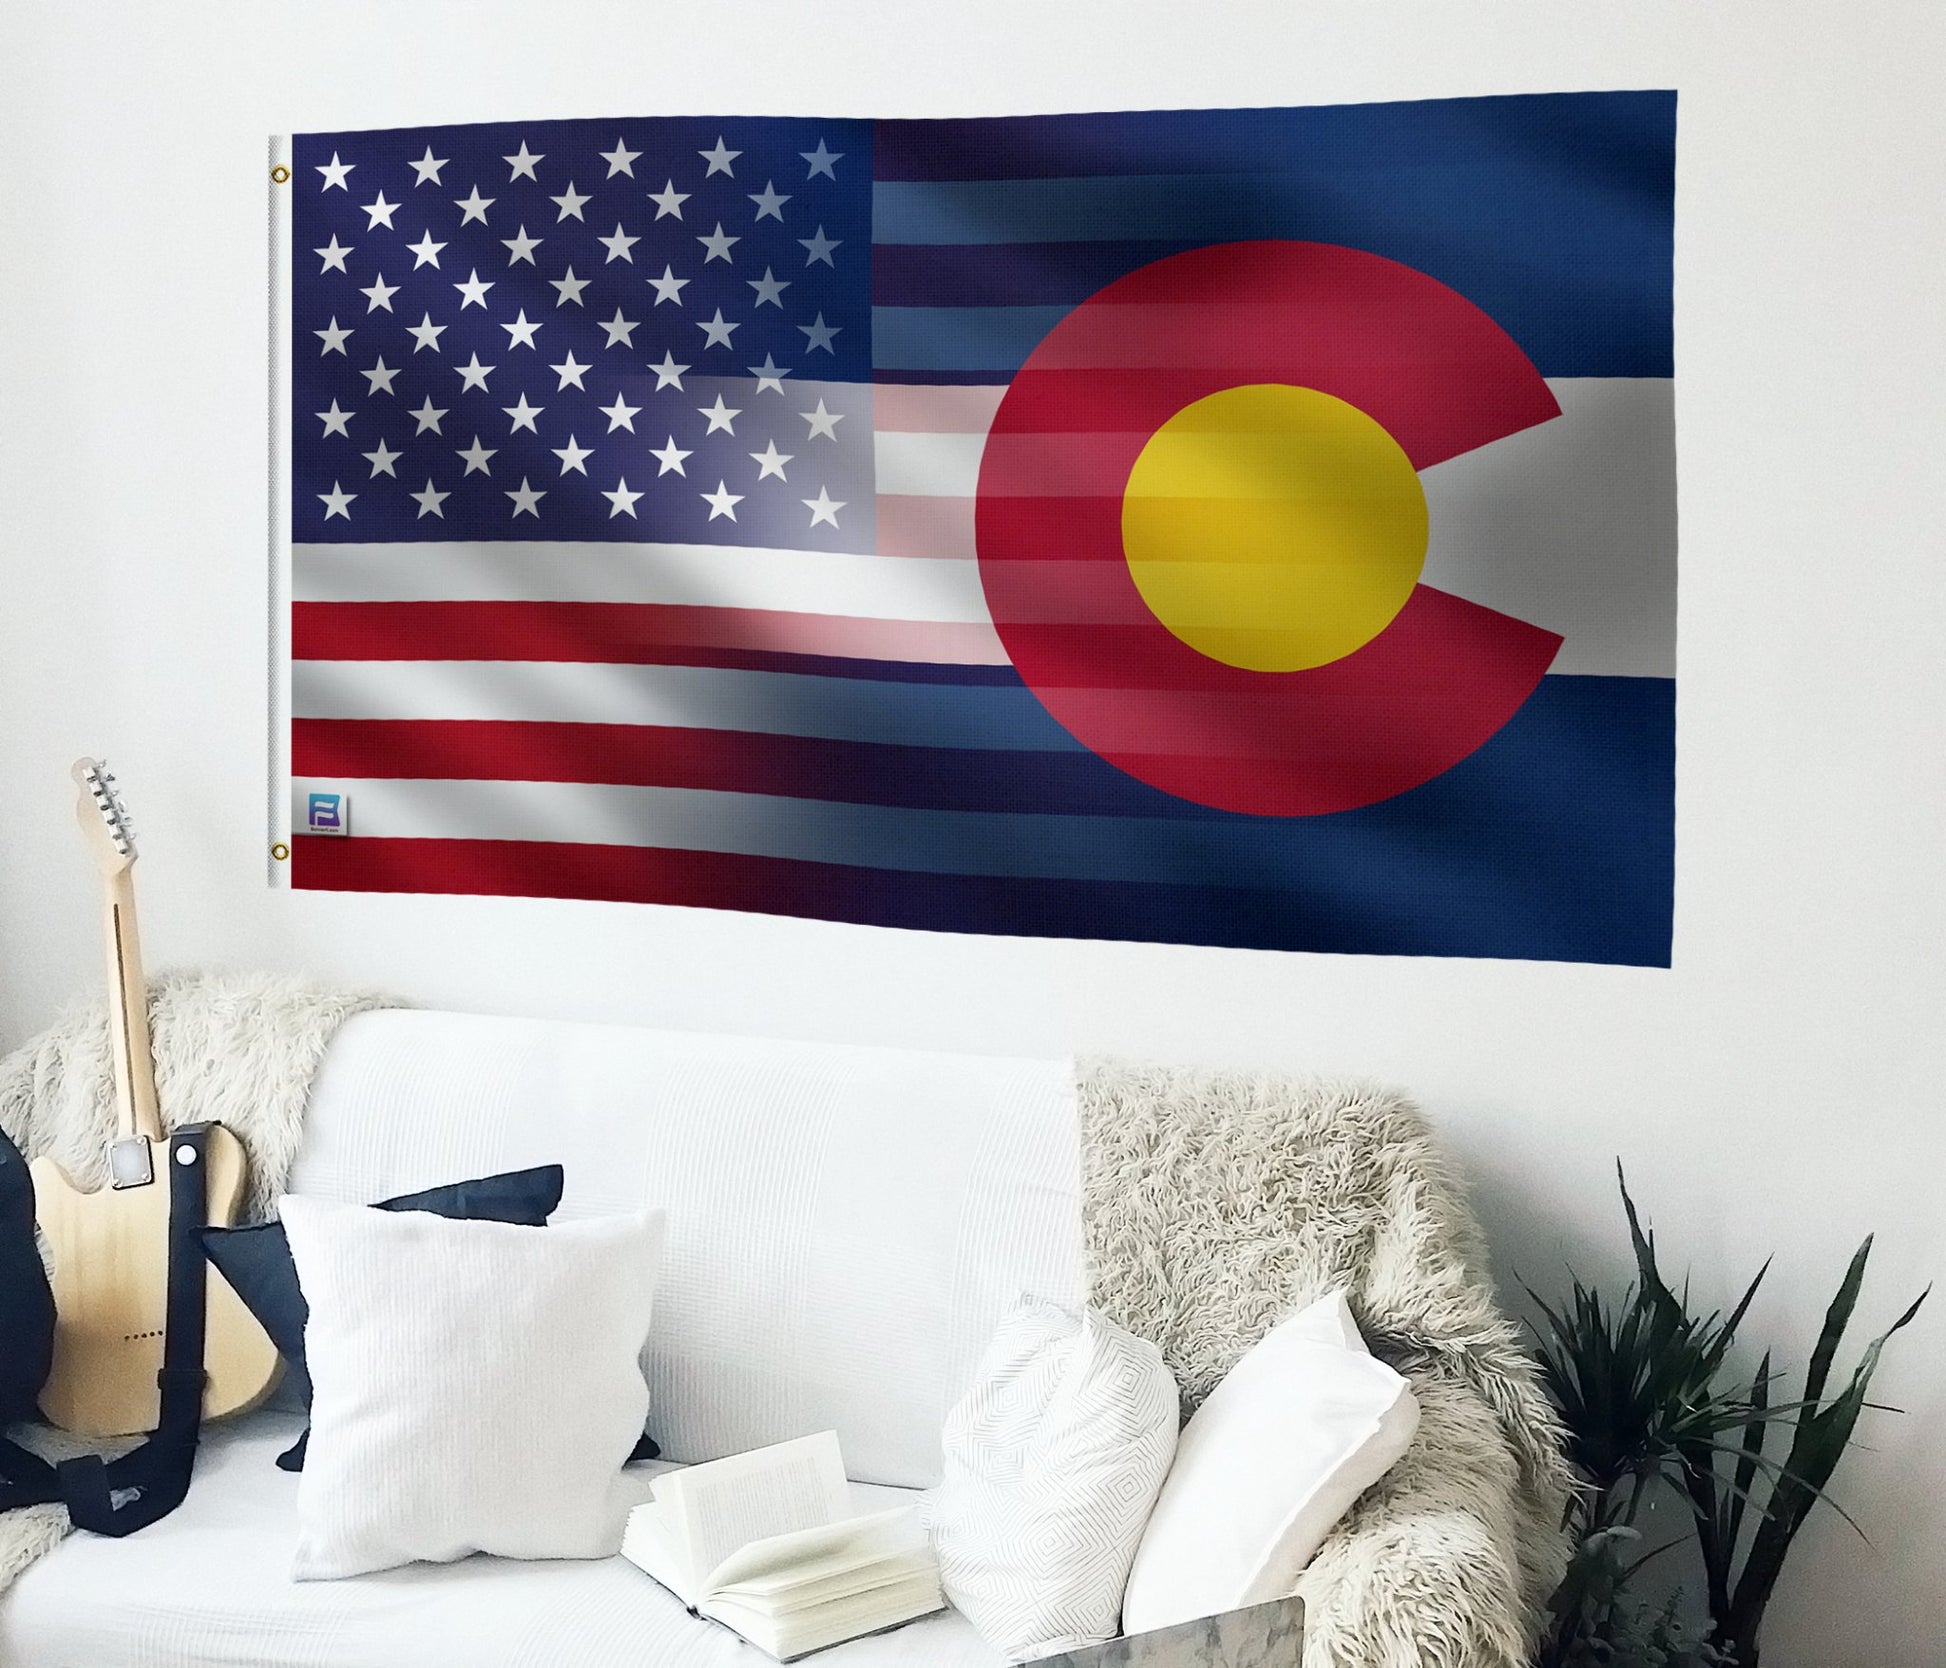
476, 1386
1298, 1429
1053, 1460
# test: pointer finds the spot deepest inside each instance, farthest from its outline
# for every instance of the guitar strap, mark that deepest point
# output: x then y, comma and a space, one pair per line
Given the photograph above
117, 1497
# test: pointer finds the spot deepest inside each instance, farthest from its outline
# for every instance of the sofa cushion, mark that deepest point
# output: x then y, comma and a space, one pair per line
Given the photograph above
845, 1223
211, 1585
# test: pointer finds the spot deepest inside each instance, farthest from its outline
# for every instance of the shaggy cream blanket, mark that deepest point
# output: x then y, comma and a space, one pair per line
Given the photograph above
1215, 1203
236, 1049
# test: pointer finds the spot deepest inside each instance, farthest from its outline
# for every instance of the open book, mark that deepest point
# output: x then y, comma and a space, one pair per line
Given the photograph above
764, 1543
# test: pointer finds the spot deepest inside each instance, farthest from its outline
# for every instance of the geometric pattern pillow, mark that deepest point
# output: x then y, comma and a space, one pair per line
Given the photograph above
1053, 1461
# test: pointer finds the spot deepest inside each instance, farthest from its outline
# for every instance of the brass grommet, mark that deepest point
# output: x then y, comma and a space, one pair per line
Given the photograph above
280, 174
280, 852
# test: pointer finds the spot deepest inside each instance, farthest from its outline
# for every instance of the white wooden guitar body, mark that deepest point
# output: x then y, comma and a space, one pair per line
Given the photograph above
110, 1248
110, 1251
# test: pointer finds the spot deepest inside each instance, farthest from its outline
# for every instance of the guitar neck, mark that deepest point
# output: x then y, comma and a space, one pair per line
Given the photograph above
128, 1011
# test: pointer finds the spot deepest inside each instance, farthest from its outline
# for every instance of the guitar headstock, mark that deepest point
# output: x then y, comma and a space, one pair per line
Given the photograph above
103, 817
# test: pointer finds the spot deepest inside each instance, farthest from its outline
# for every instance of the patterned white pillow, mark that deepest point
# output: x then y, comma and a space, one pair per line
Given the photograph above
1053, 1460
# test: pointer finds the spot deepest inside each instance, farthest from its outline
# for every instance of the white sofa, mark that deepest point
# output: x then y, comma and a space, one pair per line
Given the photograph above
845, 1227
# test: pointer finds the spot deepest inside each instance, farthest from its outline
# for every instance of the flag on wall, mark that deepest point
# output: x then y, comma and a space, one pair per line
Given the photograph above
1246, 527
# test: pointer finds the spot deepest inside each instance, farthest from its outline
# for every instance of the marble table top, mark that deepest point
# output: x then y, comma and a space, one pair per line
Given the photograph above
1265, 1636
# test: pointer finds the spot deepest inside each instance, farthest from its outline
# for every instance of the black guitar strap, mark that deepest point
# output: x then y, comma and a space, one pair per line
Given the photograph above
117, 1497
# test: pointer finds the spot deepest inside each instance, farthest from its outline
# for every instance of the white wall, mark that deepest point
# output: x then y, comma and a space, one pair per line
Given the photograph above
1779, 1089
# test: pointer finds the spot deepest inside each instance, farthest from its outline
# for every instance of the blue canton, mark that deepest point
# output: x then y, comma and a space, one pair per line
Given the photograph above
647, 331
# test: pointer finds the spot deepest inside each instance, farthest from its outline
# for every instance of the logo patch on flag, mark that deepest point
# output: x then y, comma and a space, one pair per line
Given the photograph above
1246, 527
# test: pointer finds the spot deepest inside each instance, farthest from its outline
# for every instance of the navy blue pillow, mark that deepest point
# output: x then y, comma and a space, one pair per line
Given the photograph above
258, 1264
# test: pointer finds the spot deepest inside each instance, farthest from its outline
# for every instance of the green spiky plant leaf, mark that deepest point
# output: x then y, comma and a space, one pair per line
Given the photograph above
1645, 1389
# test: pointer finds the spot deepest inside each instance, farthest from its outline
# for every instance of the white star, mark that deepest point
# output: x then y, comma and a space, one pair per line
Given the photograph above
770, 461
476, 456
620, 415
669, 200
819, 248
716, 333
473, 291
622, 499
428, 167
722, 501
382, 461
619, 244
334, 173
334, 421
381, 212
429, 415
332, 337
521, 332
824, 507
769, 374
522, 162
425, 251
334, 254
473, 375
668, 374
770, 202
569, 288
670, 457
620, 160
426, 332
769, 289
570, 370
522, 247
571, 455
717, 244
380, 377
719, 160
720, 416
668, 287
523, 415
429, 499
819, 335
380, 294
620, 330
338, 501
569, 203
822, 422
475, 206
527, 499
821, 160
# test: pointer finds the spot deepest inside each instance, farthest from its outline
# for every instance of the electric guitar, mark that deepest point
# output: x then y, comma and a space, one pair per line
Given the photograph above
110, 1248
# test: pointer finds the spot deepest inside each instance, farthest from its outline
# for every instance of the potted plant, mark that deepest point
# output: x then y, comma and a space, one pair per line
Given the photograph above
1651, 1398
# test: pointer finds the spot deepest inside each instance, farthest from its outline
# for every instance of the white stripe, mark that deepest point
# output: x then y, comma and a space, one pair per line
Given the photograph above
928, 465
1570, 525
702, 697
710, 576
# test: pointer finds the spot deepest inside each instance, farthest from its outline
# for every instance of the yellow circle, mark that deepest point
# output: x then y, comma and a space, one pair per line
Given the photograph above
1274, 528
280, 175
280, 852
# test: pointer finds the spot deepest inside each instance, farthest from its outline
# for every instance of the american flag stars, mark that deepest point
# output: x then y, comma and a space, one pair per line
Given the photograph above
688, 282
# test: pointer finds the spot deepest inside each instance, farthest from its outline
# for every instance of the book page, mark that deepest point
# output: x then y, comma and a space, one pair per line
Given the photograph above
774, 1564
724, 1505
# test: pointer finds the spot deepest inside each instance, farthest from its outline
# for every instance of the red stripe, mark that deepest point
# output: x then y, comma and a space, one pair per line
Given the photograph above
623, 633
914, 526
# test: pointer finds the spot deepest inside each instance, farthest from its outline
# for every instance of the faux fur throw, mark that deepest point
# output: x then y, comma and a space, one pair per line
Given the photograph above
235, 1049
1214, 1204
